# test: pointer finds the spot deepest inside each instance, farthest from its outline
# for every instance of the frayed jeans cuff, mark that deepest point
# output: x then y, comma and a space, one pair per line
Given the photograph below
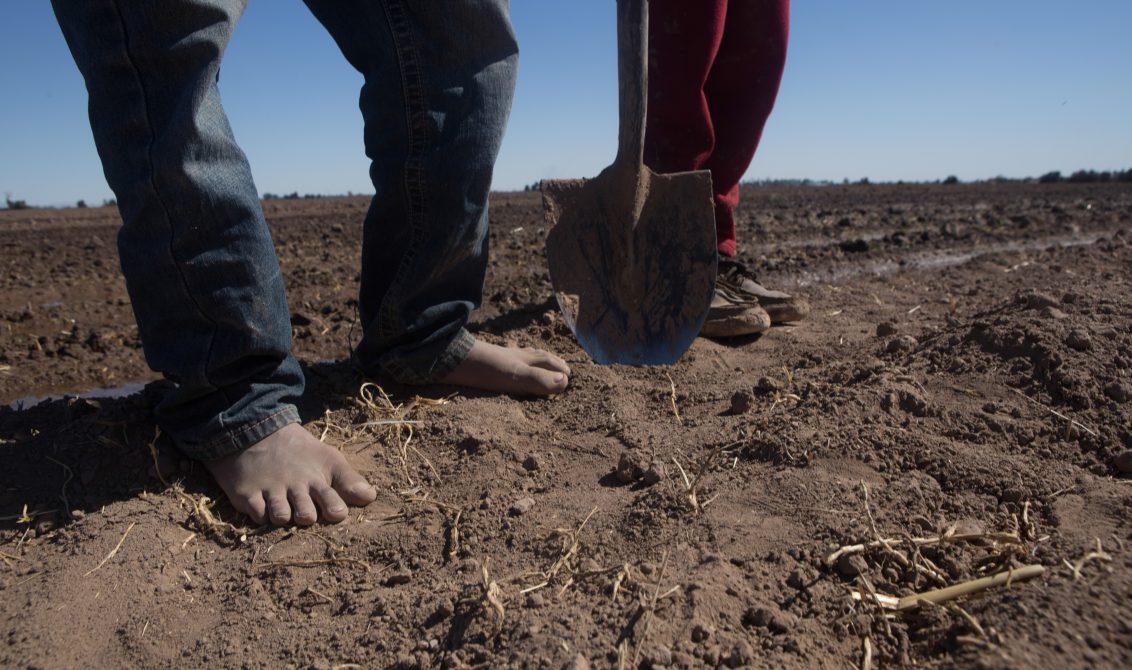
235, 440
453, 355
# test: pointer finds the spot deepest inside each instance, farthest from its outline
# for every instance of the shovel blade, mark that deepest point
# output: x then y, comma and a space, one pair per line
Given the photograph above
637, 291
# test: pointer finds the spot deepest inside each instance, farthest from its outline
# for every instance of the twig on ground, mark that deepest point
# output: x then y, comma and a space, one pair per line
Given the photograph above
319, 594
672, 398
205, 521
333, 557
492, 597
866, 652
1098, 554
153, 454
650, 611
1058, 414
112, 551
563, 561
936, 596
691, 488
63, 493
899, 557
374, 398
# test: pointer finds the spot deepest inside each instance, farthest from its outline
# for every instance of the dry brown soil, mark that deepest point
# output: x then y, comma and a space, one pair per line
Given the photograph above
962, 389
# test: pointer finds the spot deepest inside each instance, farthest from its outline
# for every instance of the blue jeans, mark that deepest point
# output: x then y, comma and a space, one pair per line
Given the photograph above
195, 250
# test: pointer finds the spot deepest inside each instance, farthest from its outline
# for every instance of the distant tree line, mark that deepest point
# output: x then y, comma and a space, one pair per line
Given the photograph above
1054, 177
1078, 177
294, 195
1086, 177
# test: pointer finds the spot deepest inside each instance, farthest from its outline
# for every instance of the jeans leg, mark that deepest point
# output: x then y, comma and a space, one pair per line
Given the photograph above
439, 76
198, 260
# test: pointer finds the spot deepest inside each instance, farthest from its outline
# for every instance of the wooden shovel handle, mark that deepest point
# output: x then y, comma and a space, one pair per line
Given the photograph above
632, 73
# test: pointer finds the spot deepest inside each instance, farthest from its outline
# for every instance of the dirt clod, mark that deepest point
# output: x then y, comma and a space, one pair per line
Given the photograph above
521, 506
1079, 339
741, 403
886, 329
577, 662
901, 344
629, 468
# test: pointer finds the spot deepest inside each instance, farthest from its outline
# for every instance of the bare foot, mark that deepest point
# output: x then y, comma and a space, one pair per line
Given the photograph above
291, 477
520, 371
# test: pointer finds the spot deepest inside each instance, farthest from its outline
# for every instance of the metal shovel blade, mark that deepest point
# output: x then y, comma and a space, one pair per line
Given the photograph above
632, 294
632, 253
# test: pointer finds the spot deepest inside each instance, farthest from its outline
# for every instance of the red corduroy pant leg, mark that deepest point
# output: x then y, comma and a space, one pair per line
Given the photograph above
714, 71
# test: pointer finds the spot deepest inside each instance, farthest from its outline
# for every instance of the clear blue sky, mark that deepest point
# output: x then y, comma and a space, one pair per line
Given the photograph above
884, 89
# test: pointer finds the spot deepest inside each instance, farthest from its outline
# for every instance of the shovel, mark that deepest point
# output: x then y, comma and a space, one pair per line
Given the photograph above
632, 253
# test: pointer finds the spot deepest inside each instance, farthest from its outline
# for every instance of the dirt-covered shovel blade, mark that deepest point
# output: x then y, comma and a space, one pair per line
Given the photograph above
632, 253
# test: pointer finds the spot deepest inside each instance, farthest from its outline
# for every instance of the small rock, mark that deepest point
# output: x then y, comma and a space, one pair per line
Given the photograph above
646, 568
901, 344
1118, 391
924, 523
577, 662
742, 655
661, 655
700, 633
654, 474
757, 616
741, 403
850, 566
444, 609
1054, 313
782, 622
1013, 495
1038, 300
532, 463
628, 469
521, 506
913, 403
767, 385
886, 328
1124, 462
400, 577
1079, 339
796, 580
535, 600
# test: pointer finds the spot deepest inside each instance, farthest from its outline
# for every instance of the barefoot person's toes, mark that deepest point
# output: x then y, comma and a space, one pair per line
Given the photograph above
278, 508
291, 477
303, 512
252, 505
519, 371
545, 360
349, 488
332, 506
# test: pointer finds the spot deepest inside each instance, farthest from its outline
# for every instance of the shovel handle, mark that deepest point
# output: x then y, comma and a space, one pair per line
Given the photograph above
632, 74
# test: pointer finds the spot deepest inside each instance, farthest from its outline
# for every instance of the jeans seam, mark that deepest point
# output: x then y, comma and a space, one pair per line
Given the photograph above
388, 323
161, 200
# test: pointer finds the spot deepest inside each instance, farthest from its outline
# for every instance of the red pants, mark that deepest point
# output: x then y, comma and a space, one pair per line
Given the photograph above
714, 71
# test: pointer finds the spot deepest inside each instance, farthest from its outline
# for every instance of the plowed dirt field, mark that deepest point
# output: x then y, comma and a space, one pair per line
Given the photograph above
958, 406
